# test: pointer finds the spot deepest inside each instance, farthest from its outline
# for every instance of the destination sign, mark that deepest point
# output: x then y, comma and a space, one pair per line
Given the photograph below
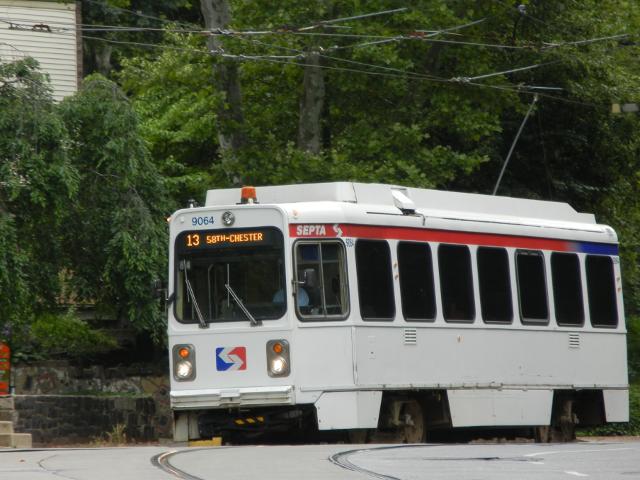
206, 239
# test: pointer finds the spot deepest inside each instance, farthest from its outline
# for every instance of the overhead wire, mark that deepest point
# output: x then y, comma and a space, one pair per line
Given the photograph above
428, 33
513, 144
285, 60
14, 48
320, 52
424, 35
432, 77
513, 70
354, 17
585, 42
524, 89
417, 35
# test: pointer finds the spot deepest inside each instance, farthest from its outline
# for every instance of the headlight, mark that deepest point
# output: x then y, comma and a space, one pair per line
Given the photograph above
278, 358
184, 369
184, 362
278, 365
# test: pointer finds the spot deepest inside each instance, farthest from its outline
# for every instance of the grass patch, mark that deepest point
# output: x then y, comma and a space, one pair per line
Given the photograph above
116, 437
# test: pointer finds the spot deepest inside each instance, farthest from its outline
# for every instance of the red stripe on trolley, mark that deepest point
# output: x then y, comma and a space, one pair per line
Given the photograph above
329, 230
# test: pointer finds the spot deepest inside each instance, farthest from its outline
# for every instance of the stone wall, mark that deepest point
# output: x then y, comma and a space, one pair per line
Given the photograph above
68, 419
59, 403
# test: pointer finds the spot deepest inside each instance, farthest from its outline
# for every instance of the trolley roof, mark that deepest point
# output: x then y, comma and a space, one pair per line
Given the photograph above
425, 201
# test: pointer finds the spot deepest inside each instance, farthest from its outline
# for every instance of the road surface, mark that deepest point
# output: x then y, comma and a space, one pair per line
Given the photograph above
591, 460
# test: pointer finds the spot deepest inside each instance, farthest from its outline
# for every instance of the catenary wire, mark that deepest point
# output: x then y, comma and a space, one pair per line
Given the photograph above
524, 89
376, 39
403, 74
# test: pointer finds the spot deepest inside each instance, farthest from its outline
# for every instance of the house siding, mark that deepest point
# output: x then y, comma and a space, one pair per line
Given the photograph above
56, 50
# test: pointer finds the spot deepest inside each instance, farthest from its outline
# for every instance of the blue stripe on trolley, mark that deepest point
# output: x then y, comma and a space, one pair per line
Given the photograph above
597, 248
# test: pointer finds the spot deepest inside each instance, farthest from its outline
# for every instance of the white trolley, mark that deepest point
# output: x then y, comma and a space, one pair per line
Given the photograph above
380, 309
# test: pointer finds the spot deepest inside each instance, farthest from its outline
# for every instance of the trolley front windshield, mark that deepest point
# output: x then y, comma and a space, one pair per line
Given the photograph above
229, 275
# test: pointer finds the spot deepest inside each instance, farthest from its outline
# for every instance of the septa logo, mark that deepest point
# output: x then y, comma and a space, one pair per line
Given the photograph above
311, 230
231, 358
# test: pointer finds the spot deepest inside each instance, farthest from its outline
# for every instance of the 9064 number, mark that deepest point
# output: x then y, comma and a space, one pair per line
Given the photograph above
200, 221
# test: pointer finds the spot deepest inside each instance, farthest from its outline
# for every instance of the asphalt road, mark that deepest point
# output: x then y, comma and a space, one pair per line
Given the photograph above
602, 460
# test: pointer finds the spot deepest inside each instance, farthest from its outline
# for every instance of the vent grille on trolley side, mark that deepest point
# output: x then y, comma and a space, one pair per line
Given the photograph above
410, 336
574, 340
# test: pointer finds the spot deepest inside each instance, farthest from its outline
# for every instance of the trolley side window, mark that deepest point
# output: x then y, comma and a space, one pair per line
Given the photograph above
601, 289
416, 281
456, 283
322, 292
567, 289
532, 287
375, 280
495, 285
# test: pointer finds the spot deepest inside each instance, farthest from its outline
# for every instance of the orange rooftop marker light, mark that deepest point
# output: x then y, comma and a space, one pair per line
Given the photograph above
248, 195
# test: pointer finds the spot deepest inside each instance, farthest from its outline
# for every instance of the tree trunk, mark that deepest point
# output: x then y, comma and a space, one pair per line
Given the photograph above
311, 105
102, 59
217, 15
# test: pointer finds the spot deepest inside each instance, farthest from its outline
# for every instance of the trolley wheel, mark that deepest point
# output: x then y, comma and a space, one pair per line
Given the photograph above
563, 423
413, 430
403, 421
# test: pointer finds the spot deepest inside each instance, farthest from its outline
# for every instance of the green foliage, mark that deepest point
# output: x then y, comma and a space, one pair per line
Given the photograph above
391, 113
55, 336
14, 301
177, 102
100, 171
435, 132
104, 50
82, 208
633, 348
36, 181
116, 231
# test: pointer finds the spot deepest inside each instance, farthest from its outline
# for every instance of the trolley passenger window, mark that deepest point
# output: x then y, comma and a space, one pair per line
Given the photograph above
567, 288
456, 283
375, 280
532, 287
416, 281
322, 292
601, 289
495, 285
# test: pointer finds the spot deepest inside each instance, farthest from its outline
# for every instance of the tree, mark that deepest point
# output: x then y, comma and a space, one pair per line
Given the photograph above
311, 105
115, 231
37, 179
429, 96
356, 136
177, 103
104, 49
231, 135
573, 149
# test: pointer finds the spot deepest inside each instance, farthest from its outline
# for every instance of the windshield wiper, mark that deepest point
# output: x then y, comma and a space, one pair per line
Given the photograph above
254, 322
192, 296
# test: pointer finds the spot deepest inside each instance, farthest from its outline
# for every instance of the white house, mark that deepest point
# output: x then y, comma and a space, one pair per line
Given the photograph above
46, 31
